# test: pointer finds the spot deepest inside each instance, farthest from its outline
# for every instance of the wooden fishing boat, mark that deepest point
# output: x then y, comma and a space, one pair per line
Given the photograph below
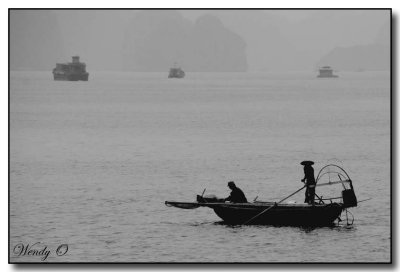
322, 213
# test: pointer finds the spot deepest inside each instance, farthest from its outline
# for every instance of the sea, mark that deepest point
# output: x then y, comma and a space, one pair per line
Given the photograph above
92, 164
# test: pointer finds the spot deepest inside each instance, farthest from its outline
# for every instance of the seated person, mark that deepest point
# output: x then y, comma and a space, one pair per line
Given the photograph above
237, 195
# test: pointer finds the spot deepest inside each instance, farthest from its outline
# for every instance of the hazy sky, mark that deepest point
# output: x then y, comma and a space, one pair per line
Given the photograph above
275, 39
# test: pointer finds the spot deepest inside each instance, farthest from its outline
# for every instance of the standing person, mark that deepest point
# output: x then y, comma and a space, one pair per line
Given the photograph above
237, 195
309, 180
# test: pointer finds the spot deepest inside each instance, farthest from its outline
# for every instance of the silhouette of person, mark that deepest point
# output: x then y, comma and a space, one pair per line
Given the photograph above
237, 195
309, 180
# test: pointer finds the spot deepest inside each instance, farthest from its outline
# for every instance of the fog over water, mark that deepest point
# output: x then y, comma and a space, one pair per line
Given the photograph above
93, 162
243, 40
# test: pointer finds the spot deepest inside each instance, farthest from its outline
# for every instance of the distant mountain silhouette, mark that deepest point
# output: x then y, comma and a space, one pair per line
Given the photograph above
374, 56
276, 41
156, 39
266, 49
355, 58
200, 40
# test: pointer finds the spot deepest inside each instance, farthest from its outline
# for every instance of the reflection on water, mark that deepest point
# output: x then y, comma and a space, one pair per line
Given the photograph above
92, 163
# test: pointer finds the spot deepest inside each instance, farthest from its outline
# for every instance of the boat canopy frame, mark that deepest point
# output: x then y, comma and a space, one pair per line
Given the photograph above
343, 176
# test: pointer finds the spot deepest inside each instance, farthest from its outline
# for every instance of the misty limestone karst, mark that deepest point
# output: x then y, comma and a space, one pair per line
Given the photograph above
201, 40
155, 40
374, 56
283, 40
216, 48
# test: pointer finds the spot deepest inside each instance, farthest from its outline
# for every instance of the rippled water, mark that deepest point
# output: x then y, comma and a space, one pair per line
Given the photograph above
91, 164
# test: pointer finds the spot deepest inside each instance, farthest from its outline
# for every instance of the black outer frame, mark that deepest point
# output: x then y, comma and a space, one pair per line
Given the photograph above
188, 265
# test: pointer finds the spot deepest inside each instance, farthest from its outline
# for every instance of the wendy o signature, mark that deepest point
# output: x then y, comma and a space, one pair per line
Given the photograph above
38, 249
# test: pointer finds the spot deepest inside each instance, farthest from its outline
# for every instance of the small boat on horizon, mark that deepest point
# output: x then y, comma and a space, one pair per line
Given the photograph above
326, 72
323, 213
72, 71
176, 72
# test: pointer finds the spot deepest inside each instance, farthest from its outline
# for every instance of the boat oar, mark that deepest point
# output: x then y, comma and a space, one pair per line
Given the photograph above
276, 203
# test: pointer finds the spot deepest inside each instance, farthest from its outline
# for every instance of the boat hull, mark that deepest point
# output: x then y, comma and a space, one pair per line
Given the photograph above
323, 76
71, 77
177, 76
284, 215
269, 213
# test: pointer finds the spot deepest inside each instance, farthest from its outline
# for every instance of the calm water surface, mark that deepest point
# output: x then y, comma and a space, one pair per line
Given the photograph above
91, 164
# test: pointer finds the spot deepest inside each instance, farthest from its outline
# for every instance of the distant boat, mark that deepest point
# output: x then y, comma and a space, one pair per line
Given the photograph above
176, 72
72, 71
326, 72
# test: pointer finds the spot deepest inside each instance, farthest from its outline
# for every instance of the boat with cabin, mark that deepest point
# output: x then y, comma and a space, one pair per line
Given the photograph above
176, 72
72, 71
323, 212
326, 72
